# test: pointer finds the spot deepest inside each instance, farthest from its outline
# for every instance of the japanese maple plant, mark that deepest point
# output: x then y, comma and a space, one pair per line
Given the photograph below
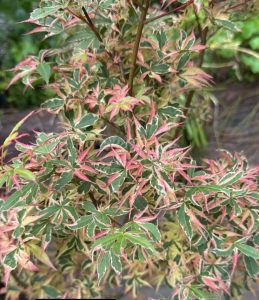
112, 199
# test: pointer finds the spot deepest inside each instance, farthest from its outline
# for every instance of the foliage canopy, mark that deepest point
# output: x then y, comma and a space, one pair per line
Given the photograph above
113, 199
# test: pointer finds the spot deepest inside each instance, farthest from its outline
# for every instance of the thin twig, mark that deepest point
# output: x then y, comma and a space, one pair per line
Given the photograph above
94, 29
136, 45
169, 12
91, 25
87, 20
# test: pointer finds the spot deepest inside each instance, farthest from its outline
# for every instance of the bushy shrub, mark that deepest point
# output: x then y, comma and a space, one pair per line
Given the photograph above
113, 200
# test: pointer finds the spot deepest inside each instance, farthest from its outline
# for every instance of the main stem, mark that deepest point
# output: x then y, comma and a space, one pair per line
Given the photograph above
136, 45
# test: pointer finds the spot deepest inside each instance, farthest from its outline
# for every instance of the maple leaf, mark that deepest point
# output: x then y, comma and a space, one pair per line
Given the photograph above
120, 100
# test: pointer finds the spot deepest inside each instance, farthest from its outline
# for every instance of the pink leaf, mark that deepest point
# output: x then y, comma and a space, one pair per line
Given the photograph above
83, 154
147, 219
80, 175
210, 282
88, 169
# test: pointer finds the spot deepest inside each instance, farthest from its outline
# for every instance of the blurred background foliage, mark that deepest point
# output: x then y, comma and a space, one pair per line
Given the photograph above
15, 45
232, 56
236, 53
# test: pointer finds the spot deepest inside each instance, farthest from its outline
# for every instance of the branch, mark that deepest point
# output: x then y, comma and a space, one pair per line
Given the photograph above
169, 12
136, 45
91, 25
87, 20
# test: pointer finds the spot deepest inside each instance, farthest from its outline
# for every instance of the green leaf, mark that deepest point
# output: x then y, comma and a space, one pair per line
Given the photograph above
254, 43
251, 266
152, 229
161, 68
114, 212
140, 203
203, 295
3, 179
26, 174
71, 211
72, 152
256, 239
152, 127
49, 211
102, 220
115, 141
18, 231
43, 12
106, 4
53, 104
248, 250
227, 24
230, 178
161, 38
64, 179
87, 121
251, 62
81, 222
117, 182
15, 199
183, 60
116, 262
45, 71
184, 221
139, 240
89, 207
206, 189
10, 260
41, 255
91, 229
103, 264
109, 169
51, 291
156, 184
106, 240
83, 39
224, 252
46, 147
84, 188
170, 111
189, 44
254, 195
